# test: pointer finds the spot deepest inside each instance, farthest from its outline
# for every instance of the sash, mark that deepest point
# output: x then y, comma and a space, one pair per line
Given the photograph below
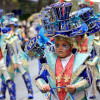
63, 77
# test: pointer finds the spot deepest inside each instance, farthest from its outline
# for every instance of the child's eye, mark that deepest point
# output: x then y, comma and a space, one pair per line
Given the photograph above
57, 45
64, 45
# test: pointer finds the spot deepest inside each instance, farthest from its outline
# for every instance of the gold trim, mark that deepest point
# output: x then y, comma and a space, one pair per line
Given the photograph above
80, 83
39, 84
97, 43
76, 74
3, 48
10, 42
11, 69
50, 71
96, 71
95, 59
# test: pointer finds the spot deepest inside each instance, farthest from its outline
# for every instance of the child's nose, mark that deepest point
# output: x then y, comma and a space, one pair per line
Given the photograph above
60, 47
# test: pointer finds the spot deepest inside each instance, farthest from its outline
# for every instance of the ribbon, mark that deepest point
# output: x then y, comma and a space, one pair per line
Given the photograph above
70, 95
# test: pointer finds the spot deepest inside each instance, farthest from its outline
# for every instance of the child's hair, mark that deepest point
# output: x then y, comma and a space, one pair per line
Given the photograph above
69, 40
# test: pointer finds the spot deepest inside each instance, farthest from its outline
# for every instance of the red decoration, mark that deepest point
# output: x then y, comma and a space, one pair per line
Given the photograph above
91, 3
61, 1
52, 39
87, 0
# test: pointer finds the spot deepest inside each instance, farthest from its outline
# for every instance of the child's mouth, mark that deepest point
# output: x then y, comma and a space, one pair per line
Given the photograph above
60, 52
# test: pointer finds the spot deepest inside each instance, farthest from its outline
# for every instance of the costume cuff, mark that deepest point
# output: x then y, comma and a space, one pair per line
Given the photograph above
13, 59
93, 62
96, 59
81, 85
40, 83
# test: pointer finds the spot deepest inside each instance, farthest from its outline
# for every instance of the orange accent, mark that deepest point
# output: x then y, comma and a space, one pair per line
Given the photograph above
24, 36
85, 44
87, 0
68, 71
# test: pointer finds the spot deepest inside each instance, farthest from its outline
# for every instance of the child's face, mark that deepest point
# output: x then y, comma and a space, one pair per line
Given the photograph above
12, 27
78, 38
63, 48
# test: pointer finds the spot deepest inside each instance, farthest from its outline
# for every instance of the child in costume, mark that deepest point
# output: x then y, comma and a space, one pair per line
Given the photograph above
86, 43
20, 59
3, 69
21, 35
66, 76
42, 39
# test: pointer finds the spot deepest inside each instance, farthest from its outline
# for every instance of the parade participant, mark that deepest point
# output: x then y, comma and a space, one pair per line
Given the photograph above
86, 44
21, 35
3, 69
42, 39
66, 76
20, 57
97, 48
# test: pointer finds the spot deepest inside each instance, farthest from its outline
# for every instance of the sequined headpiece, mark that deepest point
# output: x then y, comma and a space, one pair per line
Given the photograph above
58, 21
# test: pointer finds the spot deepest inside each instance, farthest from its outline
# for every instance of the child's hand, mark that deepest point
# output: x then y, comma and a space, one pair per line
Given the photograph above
71, 88
15, 66
46, 88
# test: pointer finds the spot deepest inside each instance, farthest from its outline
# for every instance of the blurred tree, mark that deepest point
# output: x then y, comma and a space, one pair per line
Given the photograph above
15, 0
29, 7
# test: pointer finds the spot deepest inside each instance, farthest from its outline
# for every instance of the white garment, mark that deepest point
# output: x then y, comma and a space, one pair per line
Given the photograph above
64, 61
53, 97
3, 70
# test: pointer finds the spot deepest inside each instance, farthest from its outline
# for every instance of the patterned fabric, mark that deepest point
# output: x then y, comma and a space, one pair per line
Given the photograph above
3, 90
27, 81
12, 89
64, 80
83, 46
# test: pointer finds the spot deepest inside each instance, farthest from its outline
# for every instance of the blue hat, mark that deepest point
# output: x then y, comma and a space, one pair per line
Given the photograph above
47, 24
10, 15
86, 14
61, 23
11, 20
6, 29
0, 29
11, 23
34, 49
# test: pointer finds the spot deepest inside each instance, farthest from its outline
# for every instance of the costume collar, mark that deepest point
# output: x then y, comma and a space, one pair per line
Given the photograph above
83, 39
79, 60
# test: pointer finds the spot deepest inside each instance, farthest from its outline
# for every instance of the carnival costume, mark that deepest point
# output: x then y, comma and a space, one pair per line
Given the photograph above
19, 57
76, 71
3, 69
87, 44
